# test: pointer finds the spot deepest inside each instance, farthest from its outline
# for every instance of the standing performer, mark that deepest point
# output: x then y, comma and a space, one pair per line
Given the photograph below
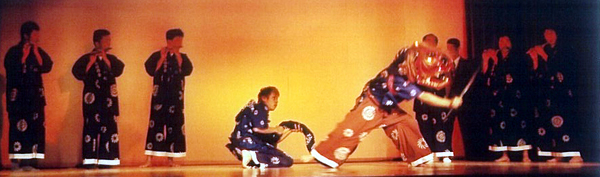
25, 63
98, 70
506, 76
166, 130
471, 124
435, 125
555, 105
252, 140
378, 106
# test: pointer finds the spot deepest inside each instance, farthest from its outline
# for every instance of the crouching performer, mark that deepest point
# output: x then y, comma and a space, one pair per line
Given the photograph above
379, 106
254, 142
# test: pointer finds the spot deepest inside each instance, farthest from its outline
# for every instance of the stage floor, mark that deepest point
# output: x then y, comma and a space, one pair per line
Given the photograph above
456, 168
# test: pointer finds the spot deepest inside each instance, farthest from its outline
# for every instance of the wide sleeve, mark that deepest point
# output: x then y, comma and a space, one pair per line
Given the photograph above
117, 66
186, 66
79, 67
405, 90
151, 63
12, 62
47, 63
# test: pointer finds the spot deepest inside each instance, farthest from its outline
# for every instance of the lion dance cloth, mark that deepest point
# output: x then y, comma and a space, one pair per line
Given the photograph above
378, 106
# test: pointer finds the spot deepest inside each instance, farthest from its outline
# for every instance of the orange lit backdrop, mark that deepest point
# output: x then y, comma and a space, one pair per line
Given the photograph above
318, 53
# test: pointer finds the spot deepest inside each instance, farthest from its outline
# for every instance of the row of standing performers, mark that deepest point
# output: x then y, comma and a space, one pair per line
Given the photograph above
26, 62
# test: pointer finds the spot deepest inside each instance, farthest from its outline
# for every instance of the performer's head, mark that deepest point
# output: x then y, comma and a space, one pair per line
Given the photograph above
30, 32
269, 96
174, 38
101, 39
426, 66
452, 46
550, 36
431, 40
504, 43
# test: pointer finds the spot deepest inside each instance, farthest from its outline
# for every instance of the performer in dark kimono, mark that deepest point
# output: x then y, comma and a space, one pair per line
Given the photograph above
252, 140
555, 106
472, 126
507, 77
434, 124
98, 71
25, 63
378, 106
166, 130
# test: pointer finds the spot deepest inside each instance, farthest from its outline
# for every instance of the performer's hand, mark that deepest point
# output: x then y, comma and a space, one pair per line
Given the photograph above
36, 50
280, 130
163, 53
26, 50
456, 102
485, 55
105, 58
534, 57
540, 50
163, 56
36, 53
177, 56
93, 56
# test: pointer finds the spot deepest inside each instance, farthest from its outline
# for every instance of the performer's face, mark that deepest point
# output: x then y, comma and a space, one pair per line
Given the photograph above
104, 42
271, 101
430, 41
504, 43
34, 37
175, 43
452, 49
550, 36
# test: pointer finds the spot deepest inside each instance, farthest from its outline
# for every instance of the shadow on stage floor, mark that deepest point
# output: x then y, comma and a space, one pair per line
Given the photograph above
389, 168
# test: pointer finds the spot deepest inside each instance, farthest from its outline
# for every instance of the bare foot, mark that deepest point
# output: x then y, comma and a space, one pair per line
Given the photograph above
306, 158
553, 160
172, 162
526, 158
504, 158
148, 162
146, 165
446, 160
576, 159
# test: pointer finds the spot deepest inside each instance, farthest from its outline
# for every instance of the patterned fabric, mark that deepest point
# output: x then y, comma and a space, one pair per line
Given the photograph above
309, 137
263, 146
555, 105
390, 86
25, 102
377, 106
166, 129
100, 109
510, 114
401, 128
435, 125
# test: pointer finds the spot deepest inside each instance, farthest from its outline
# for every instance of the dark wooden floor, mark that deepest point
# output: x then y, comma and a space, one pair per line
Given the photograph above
456, 168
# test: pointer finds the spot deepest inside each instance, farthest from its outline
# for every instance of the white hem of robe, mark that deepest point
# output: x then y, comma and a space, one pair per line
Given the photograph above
164, 153
559, 154
26, 156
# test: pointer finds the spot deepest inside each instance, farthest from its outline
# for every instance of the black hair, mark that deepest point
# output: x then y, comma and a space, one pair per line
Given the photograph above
98, 34
172, 33
27, 28
431, 35
266, 92
454, 42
